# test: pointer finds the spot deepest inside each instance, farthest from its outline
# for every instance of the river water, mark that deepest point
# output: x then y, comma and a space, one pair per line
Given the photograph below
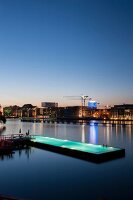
40, 174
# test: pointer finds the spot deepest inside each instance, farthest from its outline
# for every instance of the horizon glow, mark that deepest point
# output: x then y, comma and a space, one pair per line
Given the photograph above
50, 49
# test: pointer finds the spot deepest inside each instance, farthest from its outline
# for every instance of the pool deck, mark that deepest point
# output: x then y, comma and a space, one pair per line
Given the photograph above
85, 151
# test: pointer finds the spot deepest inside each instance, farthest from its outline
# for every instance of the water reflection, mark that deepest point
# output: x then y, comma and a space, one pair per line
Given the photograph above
93, 136
83, 133
55, 130
6, 157
26, 150
37, 172
108, 134
94, 133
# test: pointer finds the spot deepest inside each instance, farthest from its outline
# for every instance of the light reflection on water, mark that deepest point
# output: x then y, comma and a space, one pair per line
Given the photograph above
83, 133
39, 174
93, 134
96, 134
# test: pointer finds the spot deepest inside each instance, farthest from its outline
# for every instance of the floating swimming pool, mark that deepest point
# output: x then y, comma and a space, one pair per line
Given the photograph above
87, 151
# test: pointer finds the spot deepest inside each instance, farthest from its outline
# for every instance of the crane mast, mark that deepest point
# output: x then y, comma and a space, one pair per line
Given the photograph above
83, 99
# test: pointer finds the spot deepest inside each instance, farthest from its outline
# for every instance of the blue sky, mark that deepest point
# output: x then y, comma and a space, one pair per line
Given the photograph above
50, 49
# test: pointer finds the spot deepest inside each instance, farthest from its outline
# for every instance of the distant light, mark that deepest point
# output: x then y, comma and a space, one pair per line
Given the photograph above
92, 104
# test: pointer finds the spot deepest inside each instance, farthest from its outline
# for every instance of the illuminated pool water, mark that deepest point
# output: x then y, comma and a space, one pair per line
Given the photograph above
83, 147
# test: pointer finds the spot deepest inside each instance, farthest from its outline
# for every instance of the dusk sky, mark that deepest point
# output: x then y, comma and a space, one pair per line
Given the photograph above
55, 48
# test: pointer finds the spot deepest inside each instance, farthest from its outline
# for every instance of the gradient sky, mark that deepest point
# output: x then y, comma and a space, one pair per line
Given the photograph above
54, 48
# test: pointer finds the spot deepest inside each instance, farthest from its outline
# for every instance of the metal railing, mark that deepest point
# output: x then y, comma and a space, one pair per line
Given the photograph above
14, 136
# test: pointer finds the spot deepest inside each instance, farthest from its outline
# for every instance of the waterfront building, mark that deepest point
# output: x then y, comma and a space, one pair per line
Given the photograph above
27, 110
73, 112
16, 111
49, 104
50, 112
83, 112
122, 112
11, 111
117, 112
102, 113
37, 112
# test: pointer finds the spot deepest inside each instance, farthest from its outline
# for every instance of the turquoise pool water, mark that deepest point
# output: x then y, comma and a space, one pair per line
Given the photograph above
85, 147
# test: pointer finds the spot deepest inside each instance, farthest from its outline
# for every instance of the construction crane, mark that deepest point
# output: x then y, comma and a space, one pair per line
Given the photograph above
83, 98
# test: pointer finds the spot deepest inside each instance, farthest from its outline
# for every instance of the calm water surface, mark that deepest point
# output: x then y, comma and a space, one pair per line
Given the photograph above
40, 174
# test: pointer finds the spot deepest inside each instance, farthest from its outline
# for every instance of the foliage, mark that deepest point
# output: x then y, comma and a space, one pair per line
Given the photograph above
7, 112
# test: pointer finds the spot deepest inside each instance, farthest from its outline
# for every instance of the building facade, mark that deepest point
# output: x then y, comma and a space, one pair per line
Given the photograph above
122, 112
74, 112
49, 105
